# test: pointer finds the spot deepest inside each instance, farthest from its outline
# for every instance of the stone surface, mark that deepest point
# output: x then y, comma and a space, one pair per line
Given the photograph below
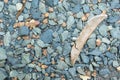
42, 7
66, 49
84, 58
105, 40
95, 52
23, 31
19, 6
103, 30
46, 36
86, 8
72, 71
70, 22
3, 74
13, 73
62, 65
64, 35
1, 5
115, 32
104, 72
7, 39
91, 43
3, 54
115, 64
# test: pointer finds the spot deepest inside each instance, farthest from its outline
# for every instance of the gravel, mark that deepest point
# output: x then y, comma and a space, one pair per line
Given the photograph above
23, 31
19, 6
70, 22
1, 5
3, 54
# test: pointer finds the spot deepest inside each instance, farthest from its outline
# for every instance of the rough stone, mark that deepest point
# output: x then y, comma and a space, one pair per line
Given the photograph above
115, 64
23, 31
7, 39
104, 72
80, 70
103, 30
64, 35
42, 7
84, 58
13, 73
70, 22
91, 43
103, 48
95, 52
19, 6
115, 32
61, 65
3, 74
66, 48
1, 5
86, 8
105, 40
72, 71
3, 54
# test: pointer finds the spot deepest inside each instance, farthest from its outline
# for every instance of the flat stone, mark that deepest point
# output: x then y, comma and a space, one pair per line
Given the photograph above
38, 51
84, 58
12, 9
23, 31
7, 39
46, 36
49, 3
75, 33
59, 49
105, 40
72, 71
28, 76
61, 65
104, 72
102, 6
47, 78
113, 49
91, 43
95, 64
42, 7
80, 70
52, 15
79, 14
103, 48
26, 58
28, 5
64, 35
76, 8
70, 22
13, 73
19, 6
3, 54
115, 64
115, 33
97, 58
1, 5
103, 30
110, 55
35, 4
66, 48
52, 22
95, 52
113, 18
86, 8
3, 74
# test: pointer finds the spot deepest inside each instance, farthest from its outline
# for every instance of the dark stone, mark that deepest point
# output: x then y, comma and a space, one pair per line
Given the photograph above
49, 2
110, 55
95, 52
46, 36
23, 31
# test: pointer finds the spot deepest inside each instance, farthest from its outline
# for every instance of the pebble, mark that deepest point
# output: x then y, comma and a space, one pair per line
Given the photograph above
20, 18
105, 40
52, 15
80, 70
12, 9
113, 50
26, 58
51, 22
47, 78
95, 64
97, 58
23, 31
38, 51
28, 5
35, 4
75, 33
46, 36
3, 54
70, 22
49, 3
104, 72
3, 74
110, 55
103, 30
102, 6
79, 25
76, 8
79, 14
61, 65
42, 7
28, 76
72, 71
1, 5
19, 6
86, 8
7, 39
113, 18
91, 43
84, 58
115, 33
115, 64
66, 48
103, 48
13, 73
64, 35
95, 52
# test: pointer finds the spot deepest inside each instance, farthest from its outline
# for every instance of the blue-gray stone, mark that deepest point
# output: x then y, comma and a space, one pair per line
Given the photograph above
115, 33
23, 31
46, 36
79, 25
86, 8
105, 60
61, 65
64, 35
56, 2
110, 55
35, 13
113, 18
1, 5
105, 40
26, 58
72, 71
70, 22
103, 47
94, 1
95, 52
7, 39
49, 2
42, 7
66, 48
12, 9
84, 58
80, 70
102, 6
3, 74
76, 9
3, 54
13, 73
103, 30
97, 11
115, 63
52, 15
35, 4
97, 58
115, 4
104, 72
28, 5
91, 43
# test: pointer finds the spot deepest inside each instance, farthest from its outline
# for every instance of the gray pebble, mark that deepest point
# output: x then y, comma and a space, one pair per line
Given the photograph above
113, 49
26, 58
110, 55
75, 33
64, 35
46, 36
79, 25
20, 18
49, 3
103, 30
103, 48
47, 78
12, 9
113, 18
28, 76
7, 39
102, 6
13, 73
59, 49
2, 63
21, 76
61, 65
66, 48
84, 58
79, 14
28, 5
72, 71
97, 58
52, 15
86, 8
23, 31
105, 60
114, 78
52, 22
42, 7
67, 60
105, 40
56, 2
115, 32
80, 70
34, 4
76, 8
91, 43
3, 74
50, 50
95, 64
1, 5
104, 72
115, 64
91, 67
38, 51
3, 54
95, 52
37, 31
70, 22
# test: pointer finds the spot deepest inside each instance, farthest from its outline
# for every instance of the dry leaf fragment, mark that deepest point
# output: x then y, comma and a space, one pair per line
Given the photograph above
118, 68
84, 35
84, 77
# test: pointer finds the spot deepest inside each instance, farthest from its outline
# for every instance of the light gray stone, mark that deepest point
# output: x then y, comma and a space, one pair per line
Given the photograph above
70, 22
42, 7
115, 64
61, 65
19, 6
105, 40
1, 5
91, 43
64, 35
7, 39
13, 73
3, 54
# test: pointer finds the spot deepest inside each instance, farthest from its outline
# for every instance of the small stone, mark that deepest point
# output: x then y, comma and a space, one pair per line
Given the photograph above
64, 35
1, 5
66, 49
113, 18
115, 32
76, 8
28, 76
79, 25
105, 40
104, 72
51, 9
98, 42
23, 31
46, 14
91, 43
52, 15
70, 22
42, 7
40, 43
3, 74
52, 22
61, 65
49, 3
72, 71
113, 49
50, 50
86, 8
91, 67
47, 78
3, 54
28, 5
84, 58
80, 70
20, 18
115, 64
59, 49
103, 48
118, 68
95, 64
35, 4
26, 58
75, 33
19, 6
45, 21
7, 39
95, 52
46, 36
103, 30
113, 78
84, 18
97, 58
13, 73
102, 6
38, 51
110, 55
79, 15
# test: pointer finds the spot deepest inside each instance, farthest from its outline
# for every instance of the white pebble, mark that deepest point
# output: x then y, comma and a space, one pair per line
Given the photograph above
19, 6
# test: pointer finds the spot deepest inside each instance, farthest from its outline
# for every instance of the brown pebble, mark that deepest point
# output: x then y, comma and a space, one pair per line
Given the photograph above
84, 18
98, 42
14, 78
44, 66
62, 58
29, 46
46, 74
26, 37
18, 38
5, 1
99, 1
44, 52
35, 36
46, 14
45, 21
64, 24
94, 73
1, 20
51, 9
52, 75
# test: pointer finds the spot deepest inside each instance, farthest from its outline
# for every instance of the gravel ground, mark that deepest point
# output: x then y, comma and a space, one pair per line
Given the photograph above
42, 52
